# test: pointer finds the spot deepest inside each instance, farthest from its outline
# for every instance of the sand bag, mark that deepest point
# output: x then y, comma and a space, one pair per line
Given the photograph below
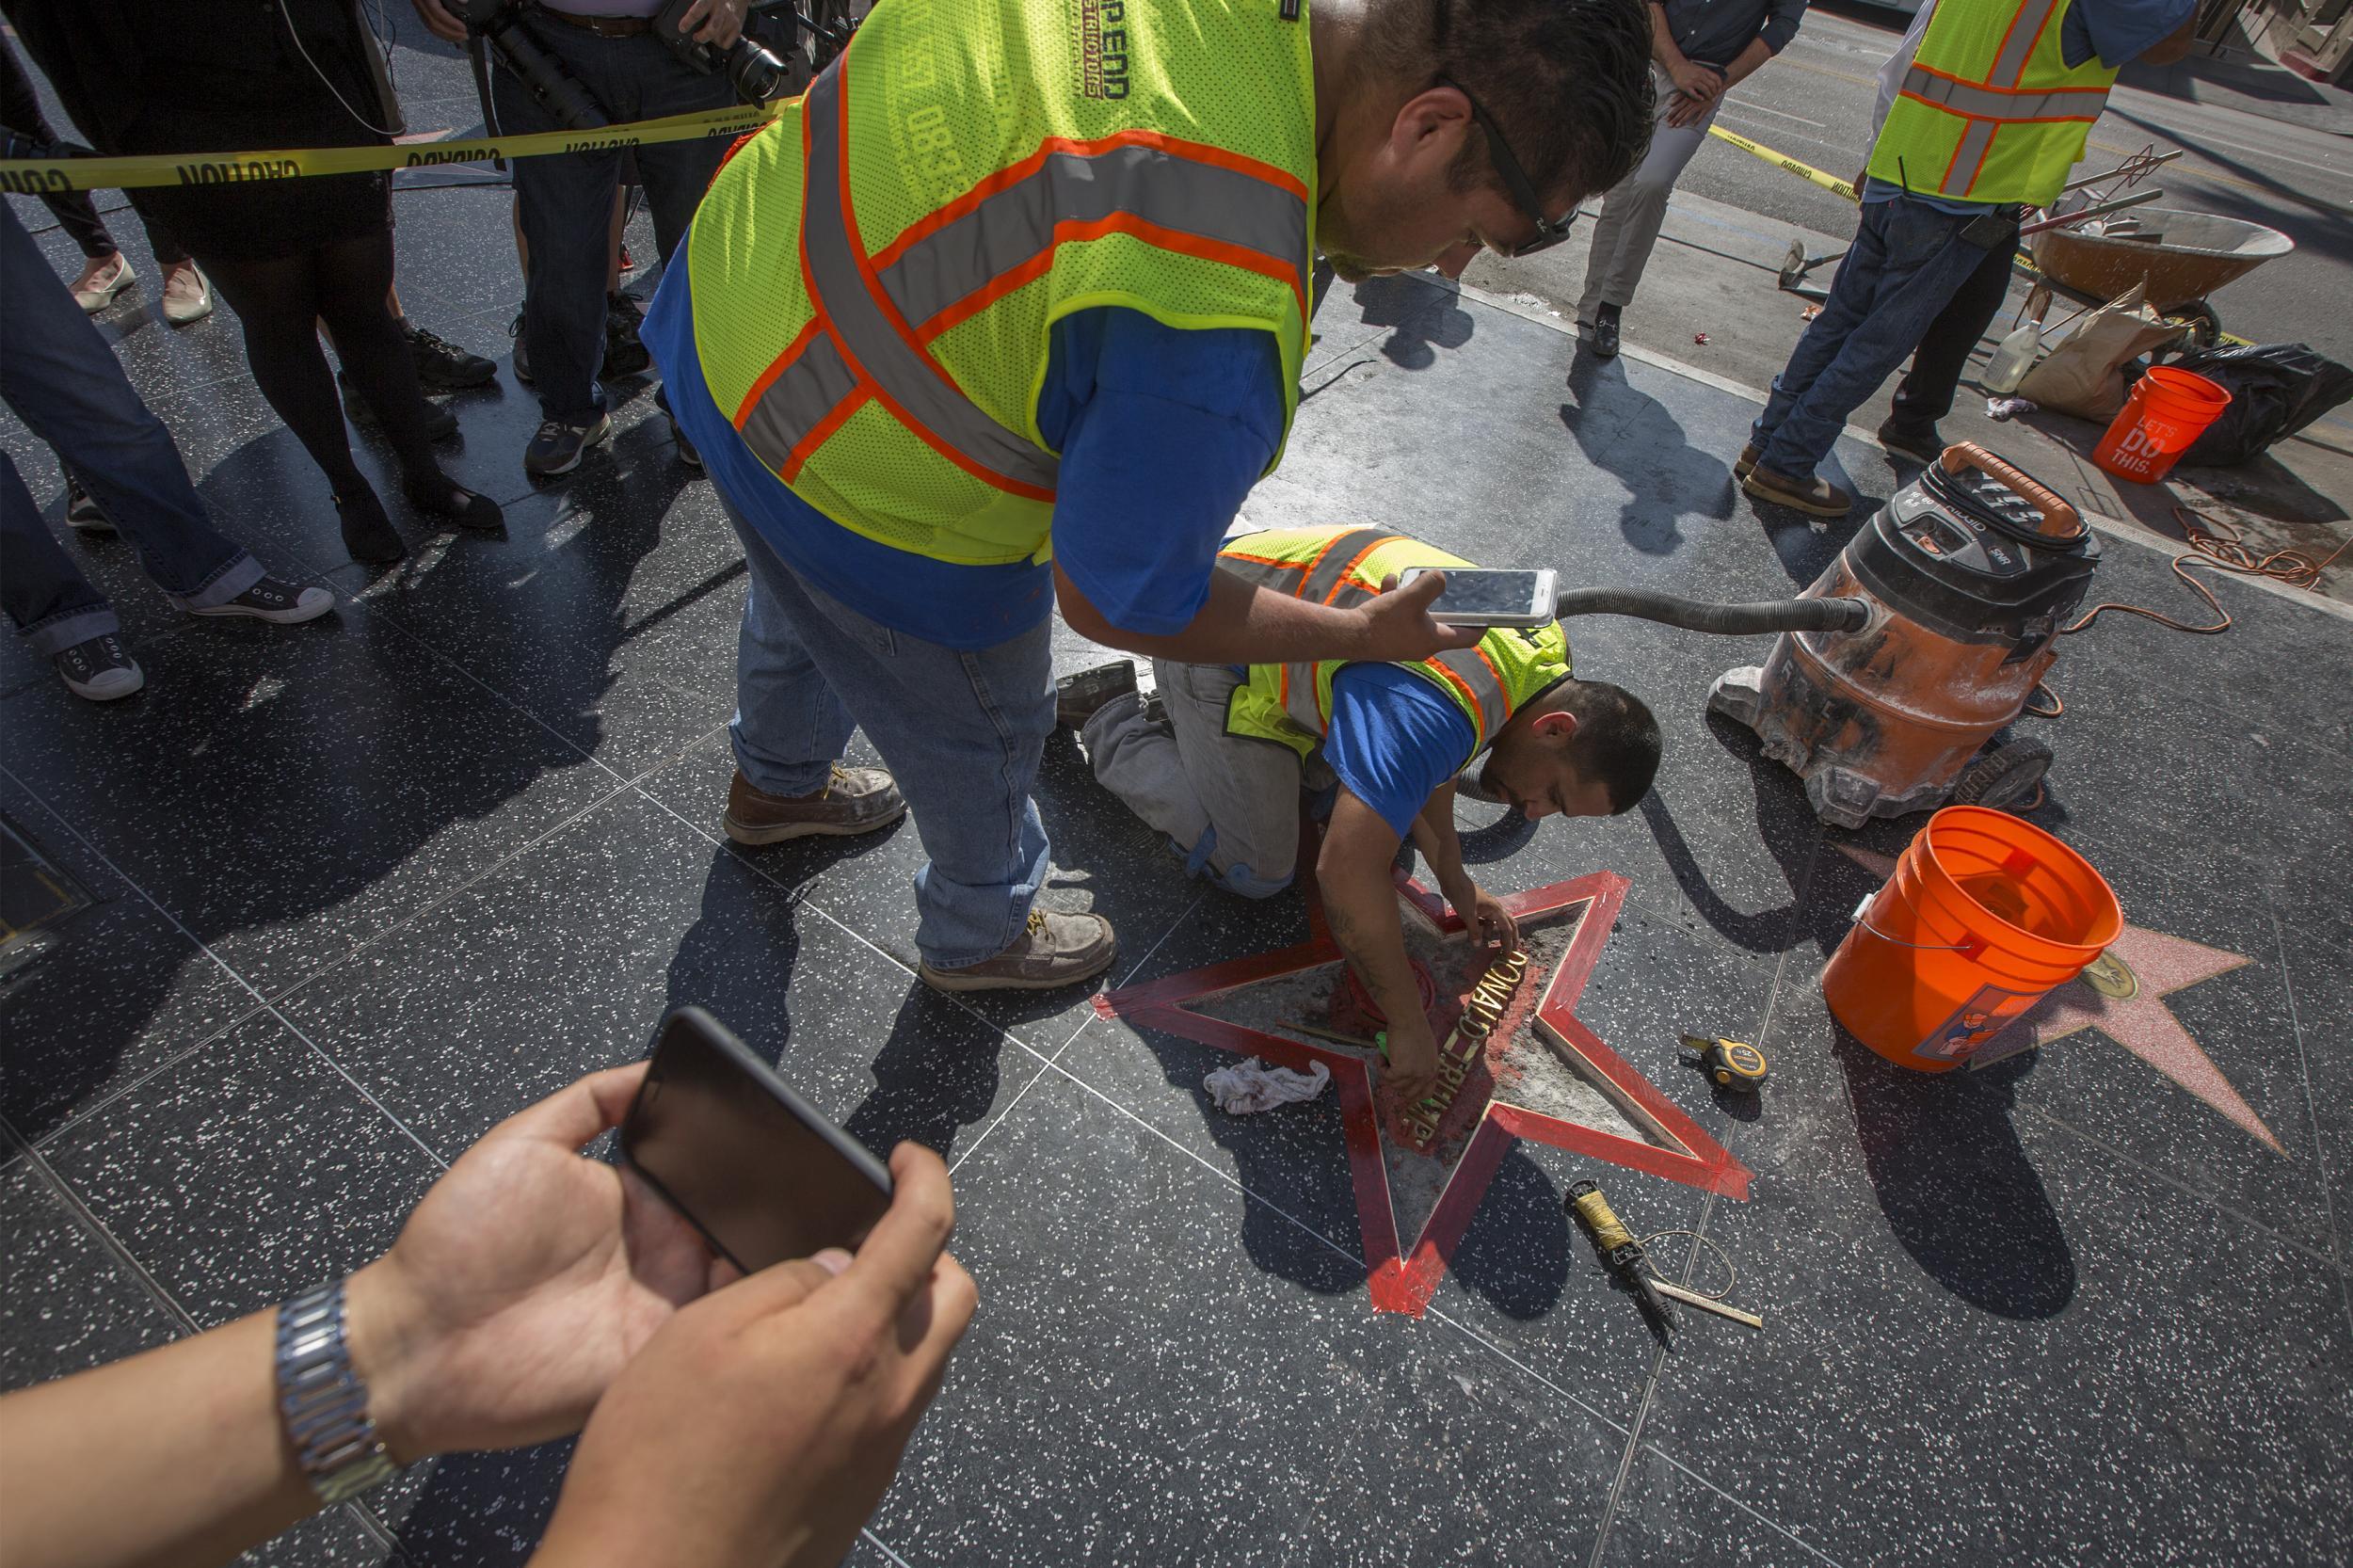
2084, 375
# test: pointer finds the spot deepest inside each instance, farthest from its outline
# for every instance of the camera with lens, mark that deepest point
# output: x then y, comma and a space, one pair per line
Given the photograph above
499, 24
756, 74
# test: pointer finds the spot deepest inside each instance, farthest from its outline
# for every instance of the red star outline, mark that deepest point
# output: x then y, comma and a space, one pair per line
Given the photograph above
1403, 1281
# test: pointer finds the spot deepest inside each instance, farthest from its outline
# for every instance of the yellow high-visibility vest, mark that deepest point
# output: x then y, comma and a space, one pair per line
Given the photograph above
876, 277
1990, 110
1508, 668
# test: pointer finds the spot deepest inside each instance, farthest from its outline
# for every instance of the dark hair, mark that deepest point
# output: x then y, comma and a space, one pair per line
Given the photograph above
1566, 81
1616, 745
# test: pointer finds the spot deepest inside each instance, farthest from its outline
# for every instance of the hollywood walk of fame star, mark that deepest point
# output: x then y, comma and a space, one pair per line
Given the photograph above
2138, 1021
1482, 1124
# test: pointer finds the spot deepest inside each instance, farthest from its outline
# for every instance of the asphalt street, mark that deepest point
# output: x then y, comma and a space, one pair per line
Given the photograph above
1814, 102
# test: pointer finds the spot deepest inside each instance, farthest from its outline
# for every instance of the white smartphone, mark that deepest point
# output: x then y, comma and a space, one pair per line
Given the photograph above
1475, 596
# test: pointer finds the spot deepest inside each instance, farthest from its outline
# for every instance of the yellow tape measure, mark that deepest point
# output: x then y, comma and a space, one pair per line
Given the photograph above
42, 176
1730, 1064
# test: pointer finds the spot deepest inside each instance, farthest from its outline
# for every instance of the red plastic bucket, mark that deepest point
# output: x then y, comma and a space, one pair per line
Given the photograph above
2168, 410
1985, 915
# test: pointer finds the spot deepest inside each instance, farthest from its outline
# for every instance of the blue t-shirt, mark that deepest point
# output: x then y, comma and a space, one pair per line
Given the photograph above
1395, 738
1162, 434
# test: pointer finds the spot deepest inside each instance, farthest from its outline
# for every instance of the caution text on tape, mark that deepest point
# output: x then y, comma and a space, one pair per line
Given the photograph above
40, 176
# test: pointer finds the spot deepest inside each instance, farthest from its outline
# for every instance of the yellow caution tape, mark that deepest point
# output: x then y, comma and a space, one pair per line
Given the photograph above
39, 176
1831, 183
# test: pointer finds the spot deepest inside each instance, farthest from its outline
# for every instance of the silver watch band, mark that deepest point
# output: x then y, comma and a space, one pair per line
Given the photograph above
322, 1400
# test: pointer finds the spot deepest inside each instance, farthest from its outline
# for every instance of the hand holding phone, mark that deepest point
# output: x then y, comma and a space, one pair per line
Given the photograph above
1477, 596
743, 1159
764, 1422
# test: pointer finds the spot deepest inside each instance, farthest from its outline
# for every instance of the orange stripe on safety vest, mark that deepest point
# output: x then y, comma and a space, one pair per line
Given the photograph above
1347, 571
867, 382
820, 433
1501, 685
1479, 711
783, 362
1261, 560
1117, 223
1013, 174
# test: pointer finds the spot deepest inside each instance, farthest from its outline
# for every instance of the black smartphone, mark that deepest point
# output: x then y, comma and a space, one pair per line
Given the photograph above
740, 1156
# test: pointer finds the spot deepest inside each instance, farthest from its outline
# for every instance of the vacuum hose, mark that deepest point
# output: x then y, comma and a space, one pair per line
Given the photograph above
1694, 614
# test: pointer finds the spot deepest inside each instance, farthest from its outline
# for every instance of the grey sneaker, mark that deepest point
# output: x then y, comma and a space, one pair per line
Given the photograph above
557, 447
100, 670
1054, 949
855, 800
278, 602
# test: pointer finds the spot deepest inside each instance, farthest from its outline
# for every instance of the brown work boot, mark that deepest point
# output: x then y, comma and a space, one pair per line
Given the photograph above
1079, 697
1816, 497
1747, 460
1056, 950
855, 800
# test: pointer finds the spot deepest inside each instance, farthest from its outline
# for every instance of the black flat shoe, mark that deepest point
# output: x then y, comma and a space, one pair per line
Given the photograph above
1606, 333
443, 497
367, 531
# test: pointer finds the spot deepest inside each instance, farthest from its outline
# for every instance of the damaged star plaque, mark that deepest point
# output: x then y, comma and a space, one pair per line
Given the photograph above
1537, 1071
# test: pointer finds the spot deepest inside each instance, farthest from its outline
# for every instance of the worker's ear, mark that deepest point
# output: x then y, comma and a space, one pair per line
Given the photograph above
1559, 726
1427, 133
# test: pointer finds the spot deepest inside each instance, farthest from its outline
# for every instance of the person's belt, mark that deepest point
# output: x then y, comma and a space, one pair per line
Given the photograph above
603, 26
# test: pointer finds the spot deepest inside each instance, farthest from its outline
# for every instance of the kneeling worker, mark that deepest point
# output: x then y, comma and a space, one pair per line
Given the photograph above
1216, 760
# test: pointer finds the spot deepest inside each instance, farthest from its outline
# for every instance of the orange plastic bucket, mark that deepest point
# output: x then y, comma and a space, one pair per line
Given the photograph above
1984, 916
2168, 410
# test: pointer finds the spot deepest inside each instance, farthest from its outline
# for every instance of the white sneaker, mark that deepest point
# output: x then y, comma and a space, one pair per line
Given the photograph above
186, 294
98, 285
99, 669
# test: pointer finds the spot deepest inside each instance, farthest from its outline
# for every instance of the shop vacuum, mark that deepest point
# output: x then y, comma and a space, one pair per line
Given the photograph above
1924, 638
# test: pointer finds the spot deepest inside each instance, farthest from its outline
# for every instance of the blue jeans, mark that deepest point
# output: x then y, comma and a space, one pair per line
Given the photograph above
62, 381
1906, 261
565, 199
961, 732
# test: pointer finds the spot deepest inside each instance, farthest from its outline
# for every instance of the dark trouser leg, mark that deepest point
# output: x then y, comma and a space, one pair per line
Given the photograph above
63, 382
564, 203
46, 595
20, 111
1925, 395
353, 278
278, 302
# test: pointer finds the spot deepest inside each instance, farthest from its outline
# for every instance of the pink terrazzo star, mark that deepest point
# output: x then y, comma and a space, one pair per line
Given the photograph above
2141, 1023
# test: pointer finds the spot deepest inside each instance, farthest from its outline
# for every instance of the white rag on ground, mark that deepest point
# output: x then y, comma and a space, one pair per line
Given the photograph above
1253, 1085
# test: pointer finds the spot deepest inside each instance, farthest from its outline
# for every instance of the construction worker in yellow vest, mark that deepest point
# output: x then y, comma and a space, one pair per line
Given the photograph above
1008, 315
1991, 116
1216, 756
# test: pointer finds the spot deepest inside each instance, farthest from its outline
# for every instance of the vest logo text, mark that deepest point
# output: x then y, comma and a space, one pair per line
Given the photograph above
1103, 48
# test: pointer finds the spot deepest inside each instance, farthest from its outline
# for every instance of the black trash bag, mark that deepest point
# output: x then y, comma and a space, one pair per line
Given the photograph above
2276, 389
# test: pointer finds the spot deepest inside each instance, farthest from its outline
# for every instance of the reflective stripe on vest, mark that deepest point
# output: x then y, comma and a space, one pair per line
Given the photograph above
874, 314
1946, 79
1968, 98
872, 336
1328, 580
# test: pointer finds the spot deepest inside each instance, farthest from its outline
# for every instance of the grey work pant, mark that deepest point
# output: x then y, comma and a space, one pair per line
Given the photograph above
1229, 804
1637, 205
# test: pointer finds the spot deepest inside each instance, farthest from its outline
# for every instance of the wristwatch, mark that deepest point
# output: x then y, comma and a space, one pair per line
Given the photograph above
323, 1402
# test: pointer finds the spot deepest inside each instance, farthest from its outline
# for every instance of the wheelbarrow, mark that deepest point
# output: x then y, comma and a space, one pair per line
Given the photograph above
2183, 256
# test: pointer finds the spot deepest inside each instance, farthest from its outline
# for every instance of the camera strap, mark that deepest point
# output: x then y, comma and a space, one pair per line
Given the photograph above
480, 58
